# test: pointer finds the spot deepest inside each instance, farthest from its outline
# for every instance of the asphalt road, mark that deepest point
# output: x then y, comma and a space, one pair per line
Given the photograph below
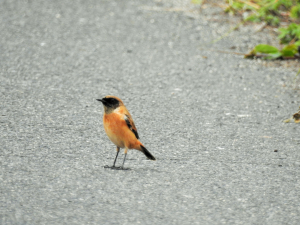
212, 120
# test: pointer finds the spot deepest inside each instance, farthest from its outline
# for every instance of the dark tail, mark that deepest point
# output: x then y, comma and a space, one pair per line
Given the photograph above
147, 153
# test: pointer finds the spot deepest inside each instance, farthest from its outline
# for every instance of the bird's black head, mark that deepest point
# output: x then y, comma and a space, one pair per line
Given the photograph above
110, 103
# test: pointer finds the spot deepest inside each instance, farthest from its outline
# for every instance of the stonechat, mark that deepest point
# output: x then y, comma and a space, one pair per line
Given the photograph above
120, 128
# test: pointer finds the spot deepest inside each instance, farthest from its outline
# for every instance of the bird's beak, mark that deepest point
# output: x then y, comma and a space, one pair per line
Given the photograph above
100, 100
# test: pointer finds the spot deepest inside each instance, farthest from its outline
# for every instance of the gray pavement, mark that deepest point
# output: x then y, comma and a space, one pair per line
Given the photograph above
212, 120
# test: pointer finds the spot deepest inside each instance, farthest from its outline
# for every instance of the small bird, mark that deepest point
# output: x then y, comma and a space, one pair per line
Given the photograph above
120, 128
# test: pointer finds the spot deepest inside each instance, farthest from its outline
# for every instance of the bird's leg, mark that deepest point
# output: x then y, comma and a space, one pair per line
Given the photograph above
113, 167
118, 149
125, 152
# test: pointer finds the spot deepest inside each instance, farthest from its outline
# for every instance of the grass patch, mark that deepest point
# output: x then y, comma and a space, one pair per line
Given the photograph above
273, 13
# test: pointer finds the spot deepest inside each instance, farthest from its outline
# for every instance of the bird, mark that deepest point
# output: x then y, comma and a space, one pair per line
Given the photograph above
120, 128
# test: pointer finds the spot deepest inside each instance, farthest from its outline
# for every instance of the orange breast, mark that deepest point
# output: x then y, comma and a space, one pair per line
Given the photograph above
118, 132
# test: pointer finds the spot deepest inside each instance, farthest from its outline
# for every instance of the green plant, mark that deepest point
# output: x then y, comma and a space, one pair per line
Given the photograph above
273, 12
270, 52
295, 11
270, 11
291, 33
236, 6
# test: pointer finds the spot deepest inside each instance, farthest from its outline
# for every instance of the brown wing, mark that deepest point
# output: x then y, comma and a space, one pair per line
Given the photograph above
130, 124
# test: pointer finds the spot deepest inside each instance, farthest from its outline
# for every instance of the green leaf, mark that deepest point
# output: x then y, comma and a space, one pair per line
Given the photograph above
270, 52
273, 56
267, 49
283, 32
289, 50
287, 53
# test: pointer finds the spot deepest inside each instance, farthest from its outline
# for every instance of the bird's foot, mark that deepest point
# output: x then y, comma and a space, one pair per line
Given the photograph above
112, 167
116, 167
